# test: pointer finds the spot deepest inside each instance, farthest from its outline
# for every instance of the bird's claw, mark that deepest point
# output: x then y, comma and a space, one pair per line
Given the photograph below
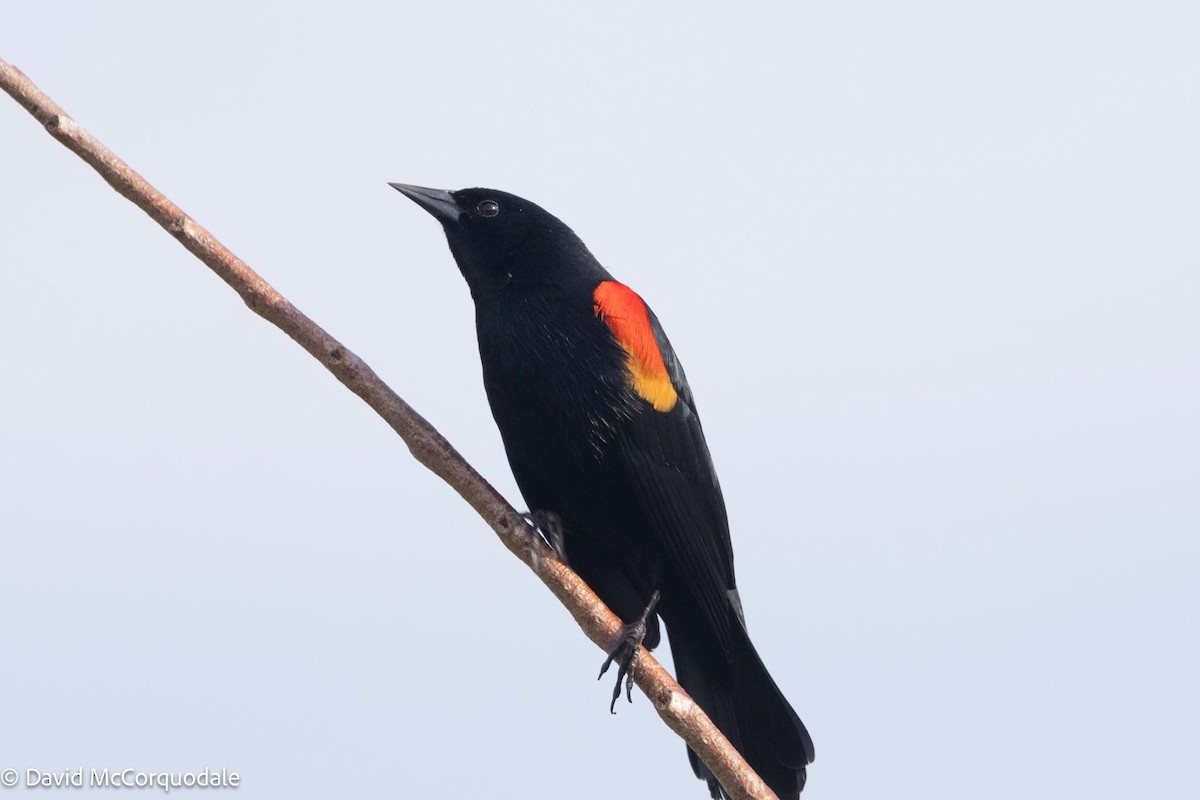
625, 652
548, 527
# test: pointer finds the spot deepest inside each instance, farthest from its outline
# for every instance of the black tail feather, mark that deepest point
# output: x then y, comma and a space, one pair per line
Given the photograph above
742, 699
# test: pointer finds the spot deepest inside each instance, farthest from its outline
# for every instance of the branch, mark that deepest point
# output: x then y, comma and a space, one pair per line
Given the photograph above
429, 447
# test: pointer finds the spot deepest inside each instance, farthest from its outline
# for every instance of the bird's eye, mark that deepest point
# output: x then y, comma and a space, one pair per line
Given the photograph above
488, 208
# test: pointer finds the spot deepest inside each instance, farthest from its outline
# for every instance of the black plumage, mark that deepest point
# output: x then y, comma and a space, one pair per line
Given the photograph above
601, 428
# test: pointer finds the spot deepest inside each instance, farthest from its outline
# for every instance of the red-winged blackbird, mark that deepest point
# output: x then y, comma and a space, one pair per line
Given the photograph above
601, 429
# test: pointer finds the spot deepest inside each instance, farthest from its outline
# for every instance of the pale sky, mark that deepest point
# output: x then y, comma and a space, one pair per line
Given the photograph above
933, 272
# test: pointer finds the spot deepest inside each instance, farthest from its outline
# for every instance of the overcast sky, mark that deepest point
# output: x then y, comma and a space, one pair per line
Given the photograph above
933, 271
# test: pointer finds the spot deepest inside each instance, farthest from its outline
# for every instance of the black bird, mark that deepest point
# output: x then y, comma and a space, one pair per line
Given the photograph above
601, 429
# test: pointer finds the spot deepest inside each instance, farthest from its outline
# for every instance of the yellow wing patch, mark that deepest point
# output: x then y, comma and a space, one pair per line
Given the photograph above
625, 314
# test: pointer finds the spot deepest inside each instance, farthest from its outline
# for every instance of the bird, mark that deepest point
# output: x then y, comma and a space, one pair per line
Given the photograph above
602, 434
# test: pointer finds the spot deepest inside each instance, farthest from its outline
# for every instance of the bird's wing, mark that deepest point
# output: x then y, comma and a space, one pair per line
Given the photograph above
663, 450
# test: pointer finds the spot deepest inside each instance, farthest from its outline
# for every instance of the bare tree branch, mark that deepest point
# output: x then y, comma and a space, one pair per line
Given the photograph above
428, 446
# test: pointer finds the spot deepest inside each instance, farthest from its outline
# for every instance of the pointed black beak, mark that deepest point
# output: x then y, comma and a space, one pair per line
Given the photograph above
437, 202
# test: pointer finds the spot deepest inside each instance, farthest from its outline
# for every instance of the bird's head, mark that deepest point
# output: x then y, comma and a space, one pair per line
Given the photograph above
502, 241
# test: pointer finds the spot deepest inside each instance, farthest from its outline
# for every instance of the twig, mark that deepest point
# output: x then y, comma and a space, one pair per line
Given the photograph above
428, 446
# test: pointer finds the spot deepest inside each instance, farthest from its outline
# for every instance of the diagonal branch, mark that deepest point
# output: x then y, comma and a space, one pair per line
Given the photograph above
428, 446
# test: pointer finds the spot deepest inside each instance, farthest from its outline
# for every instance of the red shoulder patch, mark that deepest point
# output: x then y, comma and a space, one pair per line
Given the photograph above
626, 316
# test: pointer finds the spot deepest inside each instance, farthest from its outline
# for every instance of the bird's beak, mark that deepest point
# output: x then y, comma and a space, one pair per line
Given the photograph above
437, 202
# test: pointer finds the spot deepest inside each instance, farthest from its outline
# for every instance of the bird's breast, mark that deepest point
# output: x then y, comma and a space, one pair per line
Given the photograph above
555, 377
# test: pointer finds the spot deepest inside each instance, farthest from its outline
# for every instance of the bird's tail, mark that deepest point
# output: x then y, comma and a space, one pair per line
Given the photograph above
741, 698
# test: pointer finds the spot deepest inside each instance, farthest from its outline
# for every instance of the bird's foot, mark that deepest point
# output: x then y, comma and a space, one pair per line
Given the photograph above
546, 526
625, 652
